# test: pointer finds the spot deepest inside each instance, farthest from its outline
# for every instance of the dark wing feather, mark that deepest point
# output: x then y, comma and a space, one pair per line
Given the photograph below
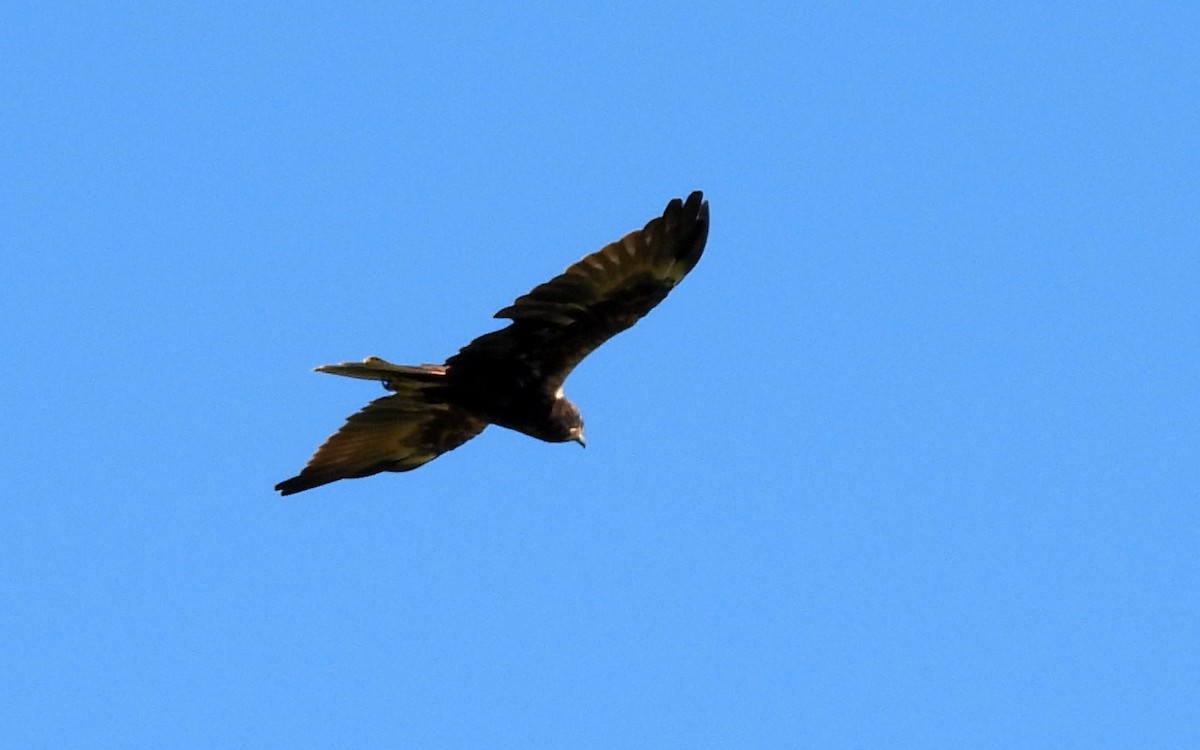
393, 433
560, 322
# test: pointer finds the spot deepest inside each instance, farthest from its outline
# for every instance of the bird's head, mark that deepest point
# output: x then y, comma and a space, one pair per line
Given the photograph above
566, 422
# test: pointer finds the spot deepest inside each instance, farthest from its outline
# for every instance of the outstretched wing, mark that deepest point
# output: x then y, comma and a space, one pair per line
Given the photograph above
560, 322
393, 433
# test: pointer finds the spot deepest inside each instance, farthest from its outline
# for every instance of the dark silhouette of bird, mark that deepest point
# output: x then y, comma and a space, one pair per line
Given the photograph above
512, 377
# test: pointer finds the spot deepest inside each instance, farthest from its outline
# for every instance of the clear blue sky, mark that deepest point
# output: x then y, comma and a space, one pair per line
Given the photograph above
909, 461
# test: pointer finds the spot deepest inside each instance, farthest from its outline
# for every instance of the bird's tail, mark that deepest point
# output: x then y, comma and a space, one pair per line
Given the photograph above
398, 378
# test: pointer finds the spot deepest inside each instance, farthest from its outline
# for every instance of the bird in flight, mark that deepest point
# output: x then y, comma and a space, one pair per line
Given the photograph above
512, 377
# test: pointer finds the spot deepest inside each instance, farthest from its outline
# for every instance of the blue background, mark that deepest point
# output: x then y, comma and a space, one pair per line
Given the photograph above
910, 459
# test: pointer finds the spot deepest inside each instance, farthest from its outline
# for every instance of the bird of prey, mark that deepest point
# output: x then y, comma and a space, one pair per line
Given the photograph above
512, 377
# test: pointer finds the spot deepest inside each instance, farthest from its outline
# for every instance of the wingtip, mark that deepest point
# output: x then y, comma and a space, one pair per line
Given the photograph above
693, 209
690, 219
300, 483
288, 487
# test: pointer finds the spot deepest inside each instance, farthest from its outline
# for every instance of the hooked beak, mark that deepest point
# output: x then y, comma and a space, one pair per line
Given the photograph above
580, 439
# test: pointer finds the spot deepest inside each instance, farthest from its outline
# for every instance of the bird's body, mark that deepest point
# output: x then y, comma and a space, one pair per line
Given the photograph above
512, 377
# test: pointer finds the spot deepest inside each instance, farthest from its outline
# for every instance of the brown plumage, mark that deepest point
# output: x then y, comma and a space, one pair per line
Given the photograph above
512, 377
